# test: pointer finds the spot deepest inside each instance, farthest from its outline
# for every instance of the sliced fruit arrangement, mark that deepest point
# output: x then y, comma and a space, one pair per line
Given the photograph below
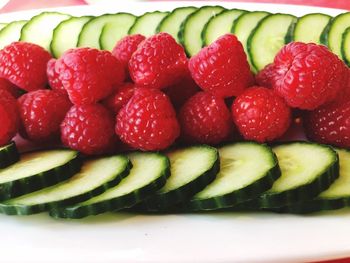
147, 24
11, 32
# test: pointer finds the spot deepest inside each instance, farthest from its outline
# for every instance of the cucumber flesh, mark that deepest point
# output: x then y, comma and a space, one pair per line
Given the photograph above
39, 29
220, 25
192, 169
190, 34
2, 25
247, 169
11, 33
113, 31
147, 24
308, 28
95, 177
70, 27
268, 38
171, 24
242, 27
345, 46
37, 170
149, 174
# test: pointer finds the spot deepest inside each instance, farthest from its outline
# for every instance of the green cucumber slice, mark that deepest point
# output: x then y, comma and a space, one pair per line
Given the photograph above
92, 30
333, 33
2, 25
39, 29
171, 24
149, 174
192, 169
115, 30
147, 24
70, 27
94, 178
335, 197
37, 170
8, 155
11, 33
220, 25
308, 28
247, 169
268, 38
345, 46
307, 170
242, 27
190, 34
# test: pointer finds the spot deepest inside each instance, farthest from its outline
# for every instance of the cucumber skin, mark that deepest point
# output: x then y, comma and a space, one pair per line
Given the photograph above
161, 22
162, 202
34, 209
324, 35
30, 184
130, 31
290, 33
115, 204
9, 155
343, 53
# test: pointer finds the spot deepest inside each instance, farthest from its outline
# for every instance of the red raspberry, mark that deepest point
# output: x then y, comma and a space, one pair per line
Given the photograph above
148, 122
24, 64
329, 124
205, 118
308, 75
222, 67
10, 88
88, 129
158, 62
125, 47
42, 112
120, 97
260, 114
53, 77
88, 74
9, 117
266, 77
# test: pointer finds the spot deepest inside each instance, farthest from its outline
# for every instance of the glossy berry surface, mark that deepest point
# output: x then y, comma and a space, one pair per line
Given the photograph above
120, 97
9, 117
53, 77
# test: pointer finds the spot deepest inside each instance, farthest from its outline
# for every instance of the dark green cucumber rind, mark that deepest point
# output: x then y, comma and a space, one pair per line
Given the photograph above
305, 192
115, 204
35, 182
10, 209
170, 15
161, 202
131, 29
343, 47
324, 35
9, 155
290, 33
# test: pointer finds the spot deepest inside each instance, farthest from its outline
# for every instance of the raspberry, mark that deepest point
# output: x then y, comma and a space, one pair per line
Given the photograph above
88, 129
158, 62
222, 67
308, 75
42, 112
24, 64
53, 77
148, 122
10, 88
120, 97
266, 77
260, 114
88, 74
205, 118
9, 117
125, 47
329, 124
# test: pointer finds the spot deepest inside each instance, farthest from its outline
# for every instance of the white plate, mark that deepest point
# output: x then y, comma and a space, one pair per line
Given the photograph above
218, 237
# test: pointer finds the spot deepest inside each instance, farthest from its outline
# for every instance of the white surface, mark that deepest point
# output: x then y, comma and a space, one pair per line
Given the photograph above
216, 237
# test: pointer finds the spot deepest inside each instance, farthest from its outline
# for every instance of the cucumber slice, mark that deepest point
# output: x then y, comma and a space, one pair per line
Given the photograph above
172, 22
70, 27
11, 33
39, 29
8, 155
333, 33
37, 170
192, 169
147, 24
220, 25
335, 197
95, 177
345, 46
92, 30
113, 31
308, 28
307, 170
2, 25
149, 173
247, 169
268, 38
190, 34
